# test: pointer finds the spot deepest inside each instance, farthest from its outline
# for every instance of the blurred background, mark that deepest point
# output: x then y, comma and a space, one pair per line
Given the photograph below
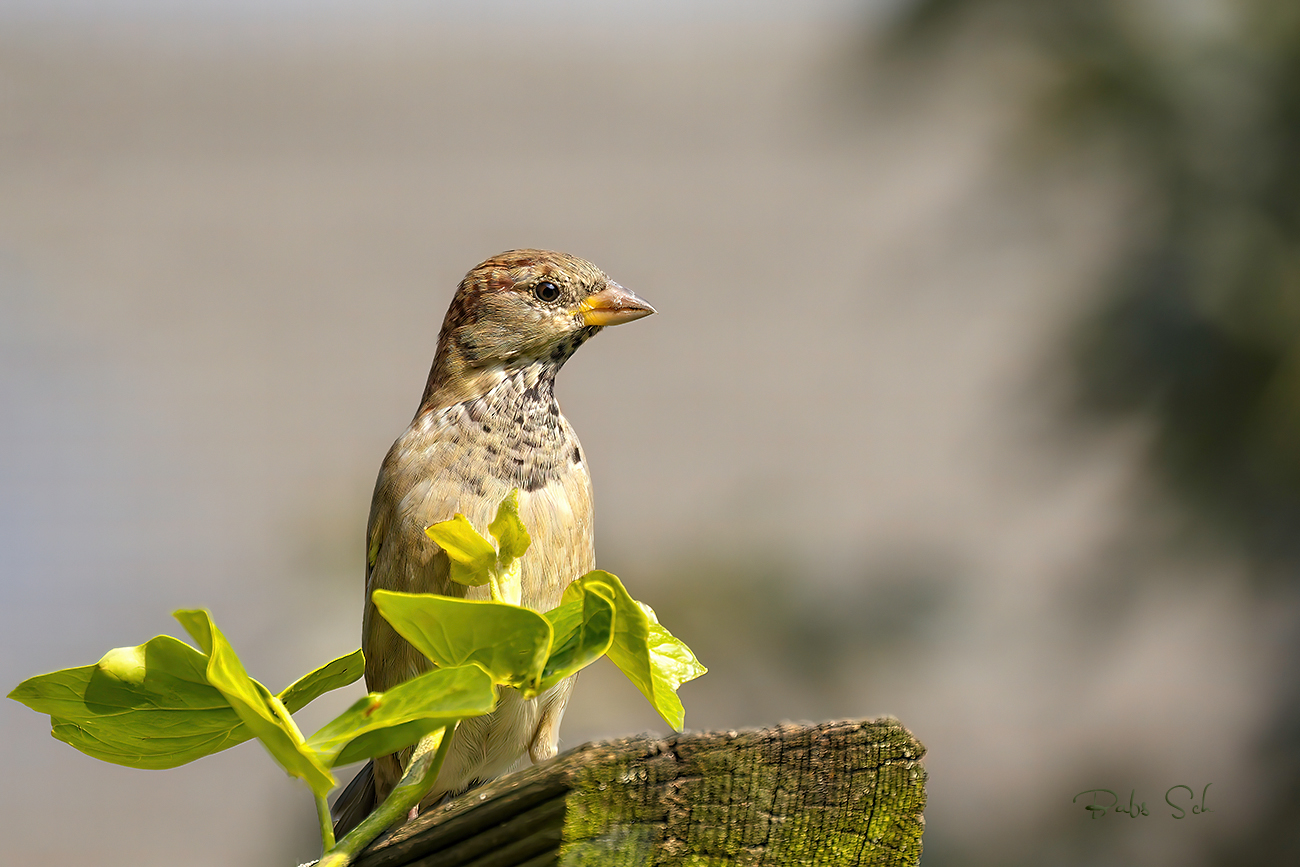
974, 397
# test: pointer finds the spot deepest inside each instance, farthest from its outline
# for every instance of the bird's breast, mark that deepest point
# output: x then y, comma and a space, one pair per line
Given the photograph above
467, 458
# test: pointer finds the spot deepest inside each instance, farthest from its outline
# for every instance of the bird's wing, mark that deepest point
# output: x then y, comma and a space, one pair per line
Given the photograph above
355, 802
416, 488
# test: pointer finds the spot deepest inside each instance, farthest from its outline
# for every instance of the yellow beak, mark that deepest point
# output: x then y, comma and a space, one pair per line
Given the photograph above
613, 305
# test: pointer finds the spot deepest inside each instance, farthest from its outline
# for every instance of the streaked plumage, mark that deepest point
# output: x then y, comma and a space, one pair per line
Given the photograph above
489, 423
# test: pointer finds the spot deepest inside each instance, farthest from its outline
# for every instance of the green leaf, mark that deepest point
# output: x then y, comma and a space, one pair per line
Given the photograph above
156, 706
264, 714
148, 706
333, 675
671, 664
655, 661
473, 559
511, 643
513, 540
584, 631
383, 723
509, 530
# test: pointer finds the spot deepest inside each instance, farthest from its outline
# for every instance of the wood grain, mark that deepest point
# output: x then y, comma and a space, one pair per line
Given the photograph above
839, 793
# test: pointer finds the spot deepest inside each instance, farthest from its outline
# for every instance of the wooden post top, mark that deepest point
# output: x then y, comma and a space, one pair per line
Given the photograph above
835, 794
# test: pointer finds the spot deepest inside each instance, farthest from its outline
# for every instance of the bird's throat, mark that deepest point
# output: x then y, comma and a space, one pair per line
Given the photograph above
458, 375
513, 426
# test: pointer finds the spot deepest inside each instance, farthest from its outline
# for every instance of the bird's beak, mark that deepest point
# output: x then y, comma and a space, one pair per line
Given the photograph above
613, 305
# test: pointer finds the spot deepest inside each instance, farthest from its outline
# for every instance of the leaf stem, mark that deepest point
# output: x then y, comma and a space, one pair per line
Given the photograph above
421, 773
326, 823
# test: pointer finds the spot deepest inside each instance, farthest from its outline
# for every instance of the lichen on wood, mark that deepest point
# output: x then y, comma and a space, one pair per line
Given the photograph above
840, 793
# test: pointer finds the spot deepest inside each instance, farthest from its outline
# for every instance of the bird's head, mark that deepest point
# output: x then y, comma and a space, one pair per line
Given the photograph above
524, 309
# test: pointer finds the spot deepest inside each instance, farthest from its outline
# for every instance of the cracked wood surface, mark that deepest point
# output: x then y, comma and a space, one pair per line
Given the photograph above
839, 793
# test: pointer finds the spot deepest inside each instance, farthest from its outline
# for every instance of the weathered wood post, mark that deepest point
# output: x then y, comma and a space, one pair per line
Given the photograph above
835, 794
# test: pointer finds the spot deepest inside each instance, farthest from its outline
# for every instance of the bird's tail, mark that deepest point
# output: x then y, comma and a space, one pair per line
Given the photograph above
355, 802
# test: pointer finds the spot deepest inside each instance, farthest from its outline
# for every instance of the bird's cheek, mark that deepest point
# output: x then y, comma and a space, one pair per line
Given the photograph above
497, 340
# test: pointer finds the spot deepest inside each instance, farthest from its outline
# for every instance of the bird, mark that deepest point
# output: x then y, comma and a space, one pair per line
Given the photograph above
488, 423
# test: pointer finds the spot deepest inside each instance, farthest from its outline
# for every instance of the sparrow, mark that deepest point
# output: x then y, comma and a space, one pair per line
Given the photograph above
488, 423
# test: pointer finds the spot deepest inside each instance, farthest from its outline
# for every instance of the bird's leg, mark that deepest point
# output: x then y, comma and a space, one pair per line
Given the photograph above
545, 742
403, 801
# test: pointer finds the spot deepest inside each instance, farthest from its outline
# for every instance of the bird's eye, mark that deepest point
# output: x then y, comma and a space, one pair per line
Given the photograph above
546, 291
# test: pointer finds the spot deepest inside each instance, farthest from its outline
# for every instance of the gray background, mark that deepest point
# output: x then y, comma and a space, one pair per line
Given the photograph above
835, 463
